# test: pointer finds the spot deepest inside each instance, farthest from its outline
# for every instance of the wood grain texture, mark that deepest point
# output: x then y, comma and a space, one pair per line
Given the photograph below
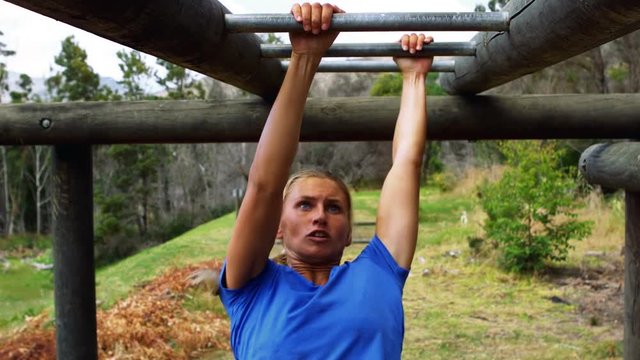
632, 277
541, 33
334, 119
74, 270
189, 33
614, 166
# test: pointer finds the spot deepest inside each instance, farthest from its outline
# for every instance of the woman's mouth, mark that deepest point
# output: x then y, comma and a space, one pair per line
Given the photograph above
318, 235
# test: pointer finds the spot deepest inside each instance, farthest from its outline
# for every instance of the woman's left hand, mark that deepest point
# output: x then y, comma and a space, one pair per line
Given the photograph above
413, 43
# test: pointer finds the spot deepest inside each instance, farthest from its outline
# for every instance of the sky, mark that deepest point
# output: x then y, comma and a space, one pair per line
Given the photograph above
36, 38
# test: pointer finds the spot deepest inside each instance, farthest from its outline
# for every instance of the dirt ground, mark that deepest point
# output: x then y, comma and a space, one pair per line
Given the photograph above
596, 291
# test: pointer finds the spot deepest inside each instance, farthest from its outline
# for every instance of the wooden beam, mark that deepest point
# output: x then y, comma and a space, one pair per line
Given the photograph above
614, 166
541, 33
74, 271
328, 119
189, 33
632, 277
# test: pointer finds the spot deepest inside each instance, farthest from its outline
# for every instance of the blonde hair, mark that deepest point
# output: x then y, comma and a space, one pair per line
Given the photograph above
321, 174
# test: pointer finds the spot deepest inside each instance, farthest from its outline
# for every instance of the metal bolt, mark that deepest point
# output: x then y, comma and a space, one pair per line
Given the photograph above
45, 123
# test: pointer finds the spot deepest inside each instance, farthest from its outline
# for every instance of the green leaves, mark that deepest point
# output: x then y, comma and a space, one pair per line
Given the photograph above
530, 210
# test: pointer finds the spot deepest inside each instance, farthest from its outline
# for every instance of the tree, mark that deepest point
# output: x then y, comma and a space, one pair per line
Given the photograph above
3, 68
179, 83
134, 71
5, 211
76, 81
530, 211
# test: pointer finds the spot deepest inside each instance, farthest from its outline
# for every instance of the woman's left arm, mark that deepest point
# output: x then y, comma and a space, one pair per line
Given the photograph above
397, 220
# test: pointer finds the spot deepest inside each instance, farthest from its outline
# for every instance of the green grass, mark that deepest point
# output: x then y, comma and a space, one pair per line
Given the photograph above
23, 292
464, 308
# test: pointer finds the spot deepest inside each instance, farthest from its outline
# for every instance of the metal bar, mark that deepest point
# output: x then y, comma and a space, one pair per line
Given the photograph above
74, 271
348, 66
377, 49
411, 21
541, 33
580, 116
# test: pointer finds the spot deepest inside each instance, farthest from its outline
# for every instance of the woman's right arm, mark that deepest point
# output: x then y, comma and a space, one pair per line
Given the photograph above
259, 215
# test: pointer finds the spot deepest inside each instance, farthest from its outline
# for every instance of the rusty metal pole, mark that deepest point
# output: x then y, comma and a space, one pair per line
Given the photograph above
74, 269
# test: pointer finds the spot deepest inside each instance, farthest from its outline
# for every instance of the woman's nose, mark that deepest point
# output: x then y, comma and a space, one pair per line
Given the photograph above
319, 216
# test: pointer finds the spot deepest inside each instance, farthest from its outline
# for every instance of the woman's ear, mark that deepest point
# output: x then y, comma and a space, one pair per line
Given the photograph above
280, 233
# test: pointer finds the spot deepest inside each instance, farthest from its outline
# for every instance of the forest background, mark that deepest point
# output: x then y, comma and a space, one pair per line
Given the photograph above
147, 194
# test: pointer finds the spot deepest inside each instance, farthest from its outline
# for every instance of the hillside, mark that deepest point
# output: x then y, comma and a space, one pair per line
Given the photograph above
457, 303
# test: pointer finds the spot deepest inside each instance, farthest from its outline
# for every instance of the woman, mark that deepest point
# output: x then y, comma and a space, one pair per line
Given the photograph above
313, 307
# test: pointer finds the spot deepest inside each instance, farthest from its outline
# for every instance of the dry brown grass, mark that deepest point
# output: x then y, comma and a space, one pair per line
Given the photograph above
150, 324
473, 177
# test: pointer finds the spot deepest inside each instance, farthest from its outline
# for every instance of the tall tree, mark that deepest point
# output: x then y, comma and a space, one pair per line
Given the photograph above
37, 167
134, 72
179, 83
76, 81
4, 86
5, 206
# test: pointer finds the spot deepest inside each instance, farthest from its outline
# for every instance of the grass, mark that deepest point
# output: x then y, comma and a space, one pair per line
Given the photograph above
456, 307
23, 292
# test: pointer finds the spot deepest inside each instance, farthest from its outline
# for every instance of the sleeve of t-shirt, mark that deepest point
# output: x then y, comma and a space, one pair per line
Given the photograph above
236, 301
380, 255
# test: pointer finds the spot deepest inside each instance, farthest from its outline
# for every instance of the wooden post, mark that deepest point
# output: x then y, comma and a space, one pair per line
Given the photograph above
325, 119
541, 33
74, 270
613, 166
632, 277
617, 166
189, 33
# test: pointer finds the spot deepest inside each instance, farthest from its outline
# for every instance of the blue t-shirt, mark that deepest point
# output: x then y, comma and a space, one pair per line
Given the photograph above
357, 314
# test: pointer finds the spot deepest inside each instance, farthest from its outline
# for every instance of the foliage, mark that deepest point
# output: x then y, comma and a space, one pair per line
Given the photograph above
271, 38
25, 95
391, 85
531, 209
76, 81
619, 72
3, 68
27, 241
134, 70
179, 83
125, 209
445, 181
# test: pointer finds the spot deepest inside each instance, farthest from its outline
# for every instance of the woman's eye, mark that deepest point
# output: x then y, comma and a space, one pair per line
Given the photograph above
304, 205
334, 209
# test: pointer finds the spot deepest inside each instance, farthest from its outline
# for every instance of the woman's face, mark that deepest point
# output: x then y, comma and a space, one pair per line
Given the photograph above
315, 226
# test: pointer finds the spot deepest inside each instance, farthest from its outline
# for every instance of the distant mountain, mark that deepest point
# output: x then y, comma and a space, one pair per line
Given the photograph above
40, 89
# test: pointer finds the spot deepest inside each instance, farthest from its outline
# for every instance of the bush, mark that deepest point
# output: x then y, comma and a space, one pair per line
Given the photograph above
25, 243
445, 181
530, 210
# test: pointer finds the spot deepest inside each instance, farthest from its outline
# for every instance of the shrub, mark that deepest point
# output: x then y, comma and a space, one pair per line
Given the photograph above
530, 210
445, 181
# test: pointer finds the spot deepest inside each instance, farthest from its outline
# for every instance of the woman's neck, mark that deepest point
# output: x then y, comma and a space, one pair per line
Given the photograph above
317, 274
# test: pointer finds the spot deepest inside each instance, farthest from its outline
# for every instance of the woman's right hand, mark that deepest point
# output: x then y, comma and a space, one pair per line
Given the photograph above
316, 20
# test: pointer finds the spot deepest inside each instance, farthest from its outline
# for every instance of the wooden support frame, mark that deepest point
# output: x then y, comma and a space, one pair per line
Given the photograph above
617, 166
189, 33
614, 166
541, 33
74, 270
632, 276
334, 119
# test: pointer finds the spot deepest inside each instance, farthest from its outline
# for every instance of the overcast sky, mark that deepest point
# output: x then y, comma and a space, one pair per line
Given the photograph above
36, 38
